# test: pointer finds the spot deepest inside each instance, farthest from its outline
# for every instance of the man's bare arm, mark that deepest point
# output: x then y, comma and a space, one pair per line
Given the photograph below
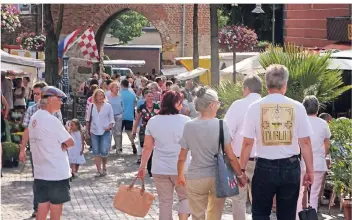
307, 154
247, 146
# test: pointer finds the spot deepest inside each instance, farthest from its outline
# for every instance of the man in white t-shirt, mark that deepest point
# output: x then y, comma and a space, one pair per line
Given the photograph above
279, 125
49, 142
252, 88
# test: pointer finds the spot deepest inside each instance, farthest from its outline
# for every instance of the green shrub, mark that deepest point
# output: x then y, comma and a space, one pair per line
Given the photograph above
341, 154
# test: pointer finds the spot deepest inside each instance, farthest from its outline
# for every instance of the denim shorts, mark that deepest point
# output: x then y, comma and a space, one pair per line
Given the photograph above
55, 192
101, 144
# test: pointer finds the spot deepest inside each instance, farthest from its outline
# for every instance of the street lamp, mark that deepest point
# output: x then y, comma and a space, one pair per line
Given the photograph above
258, 9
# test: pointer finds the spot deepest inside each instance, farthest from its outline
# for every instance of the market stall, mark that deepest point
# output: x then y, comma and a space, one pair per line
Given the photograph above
33, 67
191, 74
11, 127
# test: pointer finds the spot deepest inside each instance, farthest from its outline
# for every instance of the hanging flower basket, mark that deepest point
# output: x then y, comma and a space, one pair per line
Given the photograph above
238, 38
9, 18
31, 42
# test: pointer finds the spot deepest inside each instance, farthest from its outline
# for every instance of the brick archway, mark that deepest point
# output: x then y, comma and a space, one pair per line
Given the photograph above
156, 16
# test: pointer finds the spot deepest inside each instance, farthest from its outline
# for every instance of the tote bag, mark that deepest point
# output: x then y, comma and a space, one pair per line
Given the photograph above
88, 140
225, 177
133, 201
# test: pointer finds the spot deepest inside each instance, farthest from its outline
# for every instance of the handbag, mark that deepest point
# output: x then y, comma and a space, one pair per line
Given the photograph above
308, 213
225, 177
88, 139
133, 201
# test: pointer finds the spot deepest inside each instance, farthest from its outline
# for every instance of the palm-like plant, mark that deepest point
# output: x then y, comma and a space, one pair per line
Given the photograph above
309, 73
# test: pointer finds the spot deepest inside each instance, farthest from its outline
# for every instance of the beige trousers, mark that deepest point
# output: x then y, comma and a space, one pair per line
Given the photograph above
239, 201
165, 186
202, 198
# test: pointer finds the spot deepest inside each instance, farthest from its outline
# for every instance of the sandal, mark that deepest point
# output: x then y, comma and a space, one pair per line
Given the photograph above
99, 174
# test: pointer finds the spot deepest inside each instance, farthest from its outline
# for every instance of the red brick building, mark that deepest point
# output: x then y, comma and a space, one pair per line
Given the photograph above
306, 24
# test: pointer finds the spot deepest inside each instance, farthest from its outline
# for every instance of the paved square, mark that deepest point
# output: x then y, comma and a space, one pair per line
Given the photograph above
91, 198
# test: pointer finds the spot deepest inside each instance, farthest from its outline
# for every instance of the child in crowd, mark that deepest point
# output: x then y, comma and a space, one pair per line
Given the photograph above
75, 153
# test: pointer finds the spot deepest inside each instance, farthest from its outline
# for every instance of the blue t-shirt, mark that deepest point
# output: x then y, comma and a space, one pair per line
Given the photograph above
139, 103
116, 104
128, 99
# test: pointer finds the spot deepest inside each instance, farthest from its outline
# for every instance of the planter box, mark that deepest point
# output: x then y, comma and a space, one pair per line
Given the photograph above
339, 29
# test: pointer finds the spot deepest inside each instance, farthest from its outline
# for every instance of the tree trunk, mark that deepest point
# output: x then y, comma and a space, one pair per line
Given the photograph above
234, 65
51, 45
215, 77
195, 37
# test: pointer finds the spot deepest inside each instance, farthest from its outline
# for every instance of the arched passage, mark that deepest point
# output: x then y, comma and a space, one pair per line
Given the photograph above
111, 12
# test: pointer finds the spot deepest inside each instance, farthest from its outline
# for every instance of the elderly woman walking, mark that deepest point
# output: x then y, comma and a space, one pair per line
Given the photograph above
320, 146
166, 151
99, 122
201, 137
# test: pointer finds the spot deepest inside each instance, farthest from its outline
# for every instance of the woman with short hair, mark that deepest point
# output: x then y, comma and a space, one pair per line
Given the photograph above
201, 137
99, 122
320, 141
163, 133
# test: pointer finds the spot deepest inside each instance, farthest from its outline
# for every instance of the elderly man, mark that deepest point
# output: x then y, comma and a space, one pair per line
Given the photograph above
280, 126
49, 143
252, 88
27, 117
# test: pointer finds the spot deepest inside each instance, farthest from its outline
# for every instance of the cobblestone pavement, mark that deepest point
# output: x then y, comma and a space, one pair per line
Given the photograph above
91, 198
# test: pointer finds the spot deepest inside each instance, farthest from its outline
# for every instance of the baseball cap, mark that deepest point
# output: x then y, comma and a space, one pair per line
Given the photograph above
48, 91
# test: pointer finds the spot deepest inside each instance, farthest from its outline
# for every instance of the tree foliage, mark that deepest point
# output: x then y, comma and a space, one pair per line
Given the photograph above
223, 18
128, 26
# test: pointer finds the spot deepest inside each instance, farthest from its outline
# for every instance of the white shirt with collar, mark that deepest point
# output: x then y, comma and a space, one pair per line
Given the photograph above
100, 120
46, 134
277, 122
234, 118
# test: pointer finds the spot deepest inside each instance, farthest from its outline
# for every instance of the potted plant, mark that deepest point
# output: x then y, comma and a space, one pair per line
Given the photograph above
31, 42
341, 156
237, 38
10, 153
9, 18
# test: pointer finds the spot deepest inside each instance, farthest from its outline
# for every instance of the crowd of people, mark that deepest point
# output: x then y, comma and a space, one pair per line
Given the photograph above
276, 146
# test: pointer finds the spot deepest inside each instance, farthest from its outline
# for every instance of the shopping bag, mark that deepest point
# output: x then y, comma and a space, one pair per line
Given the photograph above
308, 214
225, 177
132, 200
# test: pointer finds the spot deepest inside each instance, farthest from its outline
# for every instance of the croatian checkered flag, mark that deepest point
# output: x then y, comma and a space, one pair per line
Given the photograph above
88, 45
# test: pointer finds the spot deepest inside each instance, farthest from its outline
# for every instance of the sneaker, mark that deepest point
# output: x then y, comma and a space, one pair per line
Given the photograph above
134, 149
34, 214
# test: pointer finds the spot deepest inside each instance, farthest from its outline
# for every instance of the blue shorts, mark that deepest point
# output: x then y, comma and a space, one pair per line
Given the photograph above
101, 144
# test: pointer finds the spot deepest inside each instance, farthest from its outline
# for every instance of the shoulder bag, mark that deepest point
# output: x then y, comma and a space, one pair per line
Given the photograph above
225, 177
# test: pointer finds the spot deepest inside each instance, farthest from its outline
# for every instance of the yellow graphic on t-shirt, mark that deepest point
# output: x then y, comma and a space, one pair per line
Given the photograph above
276, 122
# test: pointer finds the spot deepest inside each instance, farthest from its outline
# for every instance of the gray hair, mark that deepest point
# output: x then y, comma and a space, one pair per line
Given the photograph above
154, 86
253, 83
43, 102
276, 76
205, 96
311, 103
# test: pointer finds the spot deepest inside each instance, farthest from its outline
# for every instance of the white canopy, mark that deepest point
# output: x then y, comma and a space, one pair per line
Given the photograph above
124, 63
340, 60
191, 74
173, 71
12, 69
249, 65
21, 61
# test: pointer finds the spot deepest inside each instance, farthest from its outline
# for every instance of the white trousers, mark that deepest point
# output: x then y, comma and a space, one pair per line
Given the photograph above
314, 191
239, 201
